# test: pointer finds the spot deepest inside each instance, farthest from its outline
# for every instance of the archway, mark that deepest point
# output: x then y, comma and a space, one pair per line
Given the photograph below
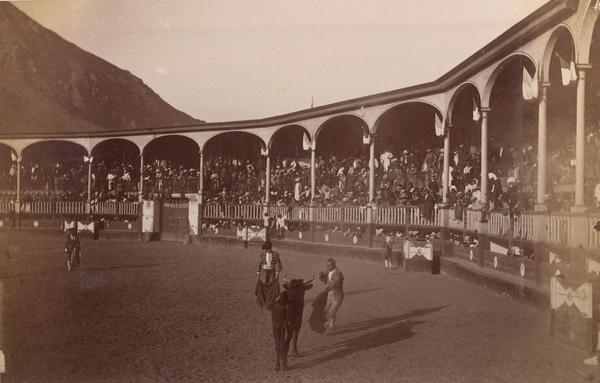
54, 169
171, 166
115, 170
512, 127
8, 171
342, 174
234, 169
290, 167
561, 120
465, 136
409, 152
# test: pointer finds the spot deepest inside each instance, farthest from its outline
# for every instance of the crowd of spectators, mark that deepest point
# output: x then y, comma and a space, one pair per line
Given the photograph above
402, 177
43, 181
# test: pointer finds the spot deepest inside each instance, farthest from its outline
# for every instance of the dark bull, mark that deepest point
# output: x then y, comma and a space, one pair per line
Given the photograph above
286, 316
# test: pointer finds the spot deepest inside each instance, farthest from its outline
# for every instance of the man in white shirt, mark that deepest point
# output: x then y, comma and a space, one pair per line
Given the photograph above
334, 279
280, 225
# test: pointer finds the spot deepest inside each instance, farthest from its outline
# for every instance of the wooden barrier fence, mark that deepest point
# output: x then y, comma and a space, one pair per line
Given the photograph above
7, 207
557, 227
115, 208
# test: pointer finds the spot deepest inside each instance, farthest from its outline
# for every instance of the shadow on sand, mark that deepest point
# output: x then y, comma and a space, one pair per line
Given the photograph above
378, 322
397, 328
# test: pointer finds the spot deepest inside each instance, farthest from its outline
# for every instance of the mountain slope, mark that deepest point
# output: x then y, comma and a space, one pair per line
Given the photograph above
49, 85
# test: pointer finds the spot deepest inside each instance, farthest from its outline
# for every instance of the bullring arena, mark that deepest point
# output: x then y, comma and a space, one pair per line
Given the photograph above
484, 183
141, 312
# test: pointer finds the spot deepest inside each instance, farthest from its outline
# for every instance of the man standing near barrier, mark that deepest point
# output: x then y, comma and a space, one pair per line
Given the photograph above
334, 279
281, 226
267, 226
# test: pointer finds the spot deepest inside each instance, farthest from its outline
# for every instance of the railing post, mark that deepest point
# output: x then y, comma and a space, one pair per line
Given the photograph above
540, 220
200, 214
266, 219
370, 207
579, 230
311, 219
342, 215
444, 213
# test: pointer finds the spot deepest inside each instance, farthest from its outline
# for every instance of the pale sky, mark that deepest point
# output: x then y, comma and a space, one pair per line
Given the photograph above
224, 60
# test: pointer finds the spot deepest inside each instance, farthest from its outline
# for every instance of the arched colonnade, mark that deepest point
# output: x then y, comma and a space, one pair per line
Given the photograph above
477, 83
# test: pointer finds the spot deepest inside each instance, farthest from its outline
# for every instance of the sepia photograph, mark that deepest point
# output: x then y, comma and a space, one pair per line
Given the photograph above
300, 191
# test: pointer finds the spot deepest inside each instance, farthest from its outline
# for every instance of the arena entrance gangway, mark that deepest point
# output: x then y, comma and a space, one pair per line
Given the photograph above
175, 224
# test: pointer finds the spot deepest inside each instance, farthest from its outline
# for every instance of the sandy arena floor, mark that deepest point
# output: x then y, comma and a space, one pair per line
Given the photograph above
170, 312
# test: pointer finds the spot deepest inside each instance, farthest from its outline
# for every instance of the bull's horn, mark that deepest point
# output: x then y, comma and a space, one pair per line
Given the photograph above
285, 278
309, 280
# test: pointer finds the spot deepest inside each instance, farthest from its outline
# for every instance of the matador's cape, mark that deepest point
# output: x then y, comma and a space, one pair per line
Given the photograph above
267, 286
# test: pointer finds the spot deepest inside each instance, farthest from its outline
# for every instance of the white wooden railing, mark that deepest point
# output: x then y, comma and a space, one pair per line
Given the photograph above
328, 215
6, 207
557, 227
115, 208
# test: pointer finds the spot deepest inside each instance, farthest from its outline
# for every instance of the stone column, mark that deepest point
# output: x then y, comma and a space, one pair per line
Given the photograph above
580, 140
141, 188
200, 205
89, 181
446, 172
201, 179
88, 203
484, 155
482, 227
371, 204
312, 175
542, 156
18, 197
267, 178
372, 168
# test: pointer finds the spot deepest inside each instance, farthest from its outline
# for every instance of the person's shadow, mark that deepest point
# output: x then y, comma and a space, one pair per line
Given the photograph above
397, 328
378, 322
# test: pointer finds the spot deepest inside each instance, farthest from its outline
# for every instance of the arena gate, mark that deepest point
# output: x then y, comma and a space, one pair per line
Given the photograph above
175, 225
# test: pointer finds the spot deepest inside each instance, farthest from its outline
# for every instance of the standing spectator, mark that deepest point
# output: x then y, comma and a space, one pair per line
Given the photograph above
597, 195
495, 189
297, 189
280, 225
267, 226
387, 249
